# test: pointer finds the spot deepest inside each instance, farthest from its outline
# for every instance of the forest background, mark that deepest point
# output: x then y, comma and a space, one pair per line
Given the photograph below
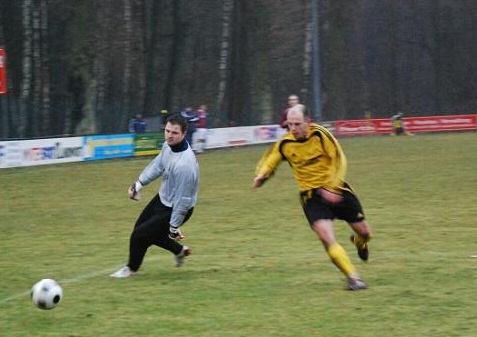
86, 66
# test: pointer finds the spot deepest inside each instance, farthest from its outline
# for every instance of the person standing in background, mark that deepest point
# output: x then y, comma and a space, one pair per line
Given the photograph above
137, 124
292, 101
398, 125
201, 131
189, 115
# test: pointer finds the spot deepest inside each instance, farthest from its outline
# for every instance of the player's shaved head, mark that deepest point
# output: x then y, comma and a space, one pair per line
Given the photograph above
298, 111
297, 123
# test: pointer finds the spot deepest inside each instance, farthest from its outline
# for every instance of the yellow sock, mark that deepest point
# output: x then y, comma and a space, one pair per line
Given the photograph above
341, 260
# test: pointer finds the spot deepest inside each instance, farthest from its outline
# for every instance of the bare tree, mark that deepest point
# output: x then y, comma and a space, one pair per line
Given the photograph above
45, 69
125, 106
225, 50
26, 66
35, 119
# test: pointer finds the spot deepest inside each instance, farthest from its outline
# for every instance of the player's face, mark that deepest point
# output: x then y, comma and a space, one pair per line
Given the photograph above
173, 134
297, 125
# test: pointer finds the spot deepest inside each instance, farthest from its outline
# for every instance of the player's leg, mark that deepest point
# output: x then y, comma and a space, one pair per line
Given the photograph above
148, 211
361, 238
164, 241
324, 229
200, 140
137, 244
320, 215
352, 212
142, 237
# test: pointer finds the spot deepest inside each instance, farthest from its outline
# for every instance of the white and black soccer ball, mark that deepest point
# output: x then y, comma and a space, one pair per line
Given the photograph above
46, 294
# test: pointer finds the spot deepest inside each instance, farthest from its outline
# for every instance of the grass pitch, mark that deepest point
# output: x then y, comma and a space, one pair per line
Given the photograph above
256, 268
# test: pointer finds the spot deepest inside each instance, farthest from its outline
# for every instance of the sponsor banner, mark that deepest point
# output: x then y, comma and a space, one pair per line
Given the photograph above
11, 154
440, 123
147, 144
3, 72
108, 146
411, 124
356, 127
40, 151
242, 135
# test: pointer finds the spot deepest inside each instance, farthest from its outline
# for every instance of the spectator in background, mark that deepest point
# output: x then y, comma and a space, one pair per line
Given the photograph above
201, 131
398, 125
164, 115
137, 124
189, 115
292, 101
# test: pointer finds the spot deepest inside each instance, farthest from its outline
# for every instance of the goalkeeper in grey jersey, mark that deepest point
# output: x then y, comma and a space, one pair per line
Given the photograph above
159, 223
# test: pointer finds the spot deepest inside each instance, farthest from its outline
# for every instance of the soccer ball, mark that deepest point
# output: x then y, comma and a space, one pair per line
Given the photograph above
46, 294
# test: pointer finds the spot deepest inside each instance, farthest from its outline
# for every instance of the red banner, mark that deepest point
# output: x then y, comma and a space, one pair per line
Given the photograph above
412, 124
3, 72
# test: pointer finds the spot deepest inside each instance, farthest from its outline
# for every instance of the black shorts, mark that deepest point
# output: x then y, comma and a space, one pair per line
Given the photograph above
316, 208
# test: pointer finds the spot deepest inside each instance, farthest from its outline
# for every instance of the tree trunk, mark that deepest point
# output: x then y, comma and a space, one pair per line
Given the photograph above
45, 71
225, 51
125, 106
174, 55
35, 119
26, 67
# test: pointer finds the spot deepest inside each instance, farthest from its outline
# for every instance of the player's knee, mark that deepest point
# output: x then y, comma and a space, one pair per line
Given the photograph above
324, 230
137, 235
362, 229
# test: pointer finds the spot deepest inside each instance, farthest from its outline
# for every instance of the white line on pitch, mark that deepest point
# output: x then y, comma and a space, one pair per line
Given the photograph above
75, 279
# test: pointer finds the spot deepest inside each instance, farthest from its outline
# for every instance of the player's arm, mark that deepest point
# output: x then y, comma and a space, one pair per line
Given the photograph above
184, 199
152, 171
267, 165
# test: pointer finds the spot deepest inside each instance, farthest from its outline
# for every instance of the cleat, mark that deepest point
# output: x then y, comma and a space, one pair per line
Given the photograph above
123, 273
180, 258
362, 249
355, 284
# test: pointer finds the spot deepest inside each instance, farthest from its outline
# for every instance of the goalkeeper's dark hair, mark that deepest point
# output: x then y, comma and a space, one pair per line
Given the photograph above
177, 119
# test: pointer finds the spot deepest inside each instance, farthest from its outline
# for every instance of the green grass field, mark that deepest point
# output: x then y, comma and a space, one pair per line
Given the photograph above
256, 269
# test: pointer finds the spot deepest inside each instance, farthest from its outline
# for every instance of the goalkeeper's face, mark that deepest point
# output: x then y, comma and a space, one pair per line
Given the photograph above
173, 134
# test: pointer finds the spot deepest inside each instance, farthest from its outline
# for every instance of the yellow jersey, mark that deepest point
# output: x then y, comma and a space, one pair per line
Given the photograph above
317, 161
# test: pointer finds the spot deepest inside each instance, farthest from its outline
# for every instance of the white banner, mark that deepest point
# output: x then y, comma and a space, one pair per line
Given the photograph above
40, 151
243, 135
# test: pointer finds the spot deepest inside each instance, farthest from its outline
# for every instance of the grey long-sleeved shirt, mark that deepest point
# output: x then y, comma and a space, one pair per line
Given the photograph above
180, 180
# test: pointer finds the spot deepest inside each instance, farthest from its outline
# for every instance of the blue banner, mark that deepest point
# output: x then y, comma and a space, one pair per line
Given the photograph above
108, 146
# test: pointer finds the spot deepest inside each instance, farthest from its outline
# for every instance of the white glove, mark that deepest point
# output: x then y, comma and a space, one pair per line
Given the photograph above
175, 233
134, 189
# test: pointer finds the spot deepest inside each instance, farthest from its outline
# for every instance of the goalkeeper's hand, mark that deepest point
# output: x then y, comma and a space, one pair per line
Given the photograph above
133, 191
175, 233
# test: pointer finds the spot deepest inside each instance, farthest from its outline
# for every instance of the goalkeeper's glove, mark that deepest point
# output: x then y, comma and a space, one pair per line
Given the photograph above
175, 233
134, 189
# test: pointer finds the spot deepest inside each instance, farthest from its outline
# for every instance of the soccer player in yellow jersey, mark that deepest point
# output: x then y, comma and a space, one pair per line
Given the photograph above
319, 167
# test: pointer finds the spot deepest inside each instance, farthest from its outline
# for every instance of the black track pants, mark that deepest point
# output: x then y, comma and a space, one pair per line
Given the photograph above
152, 228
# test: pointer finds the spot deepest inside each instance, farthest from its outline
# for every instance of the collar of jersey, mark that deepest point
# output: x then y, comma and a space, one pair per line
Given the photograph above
182, 146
